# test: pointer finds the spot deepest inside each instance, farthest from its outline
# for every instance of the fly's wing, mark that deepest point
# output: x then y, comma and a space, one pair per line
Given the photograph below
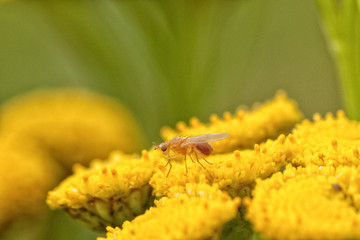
212, 137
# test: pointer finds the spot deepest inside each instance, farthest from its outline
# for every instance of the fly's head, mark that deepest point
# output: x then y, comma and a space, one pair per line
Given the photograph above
163, 147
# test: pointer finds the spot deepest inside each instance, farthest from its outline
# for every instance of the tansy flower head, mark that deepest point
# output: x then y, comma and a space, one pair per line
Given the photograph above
234, 172
192, 196
308, 203
107, 193
25, 178
245, 128
193, 212
325, 142
72, 125
43, 133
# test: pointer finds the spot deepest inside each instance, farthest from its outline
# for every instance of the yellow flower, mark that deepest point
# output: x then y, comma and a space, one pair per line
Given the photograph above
197, 211
89, 194
234, 172
24, 181
107, 193
42, 134
246, 128
325, 142
73, 125
121, 188
308, 203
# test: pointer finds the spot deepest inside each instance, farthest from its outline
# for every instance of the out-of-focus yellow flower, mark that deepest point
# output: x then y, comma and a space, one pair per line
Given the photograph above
308, 203
196, 211
42, 134
73, 125
246, 128
107, 193
234, 172
24, 181
325, 142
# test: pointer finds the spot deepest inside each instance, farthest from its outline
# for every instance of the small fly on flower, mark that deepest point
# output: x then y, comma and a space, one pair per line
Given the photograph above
197, 146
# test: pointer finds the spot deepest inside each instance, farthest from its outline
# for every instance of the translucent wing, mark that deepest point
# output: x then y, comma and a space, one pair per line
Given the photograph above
212, 137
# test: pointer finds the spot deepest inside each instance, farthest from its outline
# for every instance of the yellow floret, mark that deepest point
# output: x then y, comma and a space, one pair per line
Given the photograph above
246, 128
42, 134
233, 172
308, 203
194, 212
107, 193
72, 125
325, 142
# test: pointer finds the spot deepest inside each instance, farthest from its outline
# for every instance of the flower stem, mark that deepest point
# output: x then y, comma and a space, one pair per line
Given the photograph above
341, 21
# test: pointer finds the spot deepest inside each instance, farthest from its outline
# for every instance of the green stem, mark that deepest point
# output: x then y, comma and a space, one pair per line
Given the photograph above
342, 22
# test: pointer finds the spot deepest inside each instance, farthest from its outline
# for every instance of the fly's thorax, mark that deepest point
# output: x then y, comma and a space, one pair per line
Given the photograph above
177, 146
177, 141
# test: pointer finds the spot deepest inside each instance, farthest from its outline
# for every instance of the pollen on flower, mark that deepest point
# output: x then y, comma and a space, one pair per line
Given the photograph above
325, 142
107, 193
302, 203
196, 211
246, 128
234, 172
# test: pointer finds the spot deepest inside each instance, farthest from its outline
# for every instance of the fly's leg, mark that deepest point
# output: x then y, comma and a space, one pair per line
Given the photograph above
197, 159
191, 158
185, 164
169, 168
169, 163
208, 162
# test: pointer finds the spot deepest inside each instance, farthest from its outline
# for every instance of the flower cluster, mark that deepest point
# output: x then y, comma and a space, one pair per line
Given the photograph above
234, 172
72, 125
196, 211
107, 193
308, 203
325, 142
43, 133
25, 178
246, 128
188, 196
318, 196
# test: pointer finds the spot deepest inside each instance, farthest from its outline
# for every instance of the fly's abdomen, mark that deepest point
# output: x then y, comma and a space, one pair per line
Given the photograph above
204, 148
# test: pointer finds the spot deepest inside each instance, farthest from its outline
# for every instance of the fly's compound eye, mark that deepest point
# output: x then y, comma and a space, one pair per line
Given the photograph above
163, 148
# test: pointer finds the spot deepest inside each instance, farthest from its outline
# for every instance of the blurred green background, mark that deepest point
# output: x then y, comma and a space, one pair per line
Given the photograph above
170, 60
166, 60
